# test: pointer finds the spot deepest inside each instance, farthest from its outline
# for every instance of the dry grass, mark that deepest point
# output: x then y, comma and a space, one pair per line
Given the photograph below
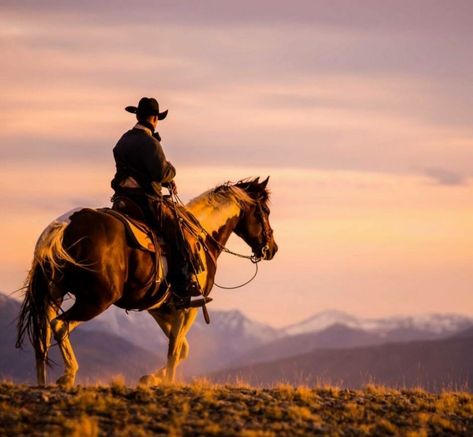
205, 409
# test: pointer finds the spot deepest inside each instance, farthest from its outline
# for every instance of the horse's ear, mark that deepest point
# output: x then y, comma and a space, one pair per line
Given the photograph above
264, 184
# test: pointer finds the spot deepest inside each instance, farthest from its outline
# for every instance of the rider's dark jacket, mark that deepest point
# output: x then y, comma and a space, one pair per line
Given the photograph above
139, 155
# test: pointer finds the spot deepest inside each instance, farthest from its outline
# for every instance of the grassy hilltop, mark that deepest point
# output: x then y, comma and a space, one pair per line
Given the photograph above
203, 409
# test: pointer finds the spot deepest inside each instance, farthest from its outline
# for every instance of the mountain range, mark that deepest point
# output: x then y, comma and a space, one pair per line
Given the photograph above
132, 344
337, 330
442, 324
232, 339
434, 365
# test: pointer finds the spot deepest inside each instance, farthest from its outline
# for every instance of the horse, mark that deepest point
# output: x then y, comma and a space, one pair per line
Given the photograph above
87, 255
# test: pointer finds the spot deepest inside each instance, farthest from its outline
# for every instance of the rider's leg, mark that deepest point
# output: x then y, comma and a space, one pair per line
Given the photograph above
181, 275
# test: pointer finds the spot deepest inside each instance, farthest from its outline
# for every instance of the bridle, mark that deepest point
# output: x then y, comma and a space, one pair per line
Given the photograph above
266, 231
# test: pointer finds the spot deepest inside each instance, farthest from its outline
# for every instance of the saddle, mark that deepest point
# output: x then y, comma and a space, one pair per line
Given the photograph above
141, 236
135, 215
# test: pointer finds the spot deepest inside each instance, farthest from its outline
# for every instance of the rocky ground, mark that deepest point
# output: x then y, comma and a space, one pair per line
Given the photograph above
205, 409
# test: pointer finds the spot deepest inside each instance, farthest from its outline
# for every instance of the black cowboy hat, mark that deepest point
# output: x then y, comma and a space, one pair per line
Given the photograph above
147, 106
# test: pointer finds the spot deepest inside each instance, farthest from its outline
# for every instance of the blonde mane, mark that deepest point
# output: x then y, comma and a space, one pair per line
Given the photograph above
224, 193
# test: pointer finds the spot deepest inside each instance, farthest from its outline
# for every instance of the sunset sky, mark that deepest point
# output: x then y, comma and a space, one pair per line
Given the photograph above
360, 111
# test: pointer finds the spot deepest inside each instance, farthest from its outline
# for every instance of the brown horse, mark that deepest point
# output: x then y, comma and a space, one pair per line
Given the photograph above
87, 254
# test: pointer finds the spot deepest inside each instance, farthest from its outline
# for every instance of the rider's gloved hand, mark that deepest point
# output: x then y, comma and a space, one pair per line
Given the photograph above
171, 186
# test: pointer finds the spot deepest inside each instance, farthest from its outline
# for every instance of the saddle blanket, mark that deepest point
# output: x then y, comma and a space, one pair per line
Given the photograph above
138, 232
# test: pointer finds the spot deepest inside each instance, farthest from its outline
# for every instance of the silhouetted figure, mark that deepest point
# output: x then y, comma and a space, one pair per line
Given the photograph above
142, 169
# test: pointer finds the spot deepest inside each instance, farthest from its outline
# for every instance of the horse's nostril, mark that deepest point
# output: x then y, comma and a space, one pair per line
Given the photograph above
269, 254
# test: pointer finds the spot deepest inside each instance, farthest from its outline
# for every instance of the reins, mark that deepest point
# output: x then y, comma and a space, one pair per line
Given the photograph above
241, 285
253, 258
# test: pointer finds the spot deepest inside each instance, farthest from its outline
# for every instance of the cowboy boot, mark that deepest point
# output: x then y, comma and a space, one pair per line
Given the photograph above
185, 285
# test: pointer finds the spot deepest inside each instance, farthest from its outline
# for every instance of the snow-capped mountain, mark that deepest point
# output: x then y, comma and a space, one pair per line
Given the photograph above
434, 323
338, 330
320, 321
234, 322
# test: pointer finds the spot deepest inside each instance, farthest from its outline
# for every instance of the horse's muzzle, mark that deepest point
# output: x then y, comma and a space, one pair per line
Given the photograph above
268, 251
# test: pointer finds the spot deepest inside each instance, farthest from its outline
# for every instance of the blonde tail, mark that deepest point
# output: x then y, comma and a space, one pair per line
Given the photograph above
50, 257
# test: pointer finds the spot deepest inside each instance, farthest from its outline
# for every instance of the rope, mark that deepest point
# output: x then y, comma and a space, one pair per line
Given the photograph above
241, 285
254, 259
183, 241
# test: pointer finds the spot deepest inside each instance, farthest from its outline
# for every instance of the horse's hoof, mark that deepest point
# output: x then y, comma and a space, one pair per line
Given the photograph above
149, 380
65, 381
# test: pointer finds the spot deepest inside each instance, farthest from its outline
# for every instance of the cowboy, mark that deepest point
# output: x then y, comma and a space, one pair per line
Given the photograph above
142, 169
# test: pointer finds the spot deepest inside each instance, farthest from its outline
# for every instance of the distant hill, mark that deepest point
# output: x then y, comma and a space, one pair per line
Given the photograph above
433, 365
464, 333
336, 336
333, 337
101, 355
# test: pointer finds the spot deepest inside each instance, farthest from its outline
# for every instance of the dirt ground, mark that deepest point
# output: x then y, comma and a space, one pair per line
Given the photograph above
205, 409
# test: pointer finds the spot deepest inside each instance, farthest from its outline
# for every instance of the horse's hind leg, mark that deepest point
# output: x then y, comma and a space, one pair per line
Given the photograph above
42, 350
61, 331
62, 327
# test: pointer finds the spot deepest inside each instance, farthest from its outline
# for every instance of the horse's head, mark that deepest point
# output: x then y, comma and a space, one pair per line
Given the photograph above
253, 226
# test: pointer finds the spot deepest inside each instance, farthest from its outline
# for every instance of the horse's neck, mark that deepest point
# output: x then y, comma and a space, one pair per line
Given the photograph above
218, 220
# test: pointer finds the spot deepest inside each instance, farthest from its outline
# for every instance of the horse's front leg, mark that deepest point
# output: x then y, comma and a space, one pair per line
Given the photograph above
178, 346
175, 325
176, 337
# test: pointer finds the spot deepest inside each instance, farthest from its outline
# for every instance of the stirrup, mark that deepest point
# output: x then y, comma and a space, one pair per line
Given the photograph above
186, 302
197, 303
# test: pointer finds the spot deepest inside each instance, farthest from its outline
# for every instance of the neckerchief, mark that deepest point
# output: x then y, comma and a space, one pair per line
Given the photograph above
148, 125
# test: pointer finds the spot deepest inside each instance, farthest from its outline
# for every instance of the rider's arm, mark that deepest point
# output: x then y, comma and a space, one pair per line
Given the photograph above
158, 167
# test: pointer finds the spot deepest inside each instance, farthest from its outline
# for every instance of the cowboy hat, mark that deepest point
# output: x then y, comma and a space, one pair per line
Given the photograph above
147, 106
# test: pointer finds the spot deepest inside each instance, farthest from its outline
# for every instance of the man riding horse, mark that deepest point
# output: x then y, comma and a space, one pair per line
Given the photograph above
87, 252
142, 169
